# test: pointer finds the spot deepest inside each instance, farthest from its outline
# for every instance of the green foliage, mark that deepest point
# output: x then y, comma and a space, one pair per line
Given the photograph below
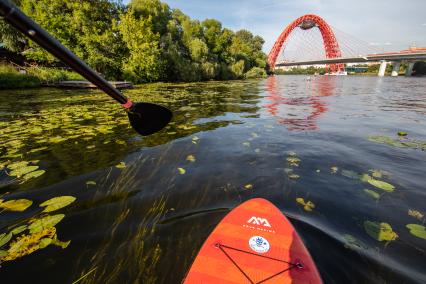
34, 76
10, 78
144, 63
380, 231
143, 42
256, 72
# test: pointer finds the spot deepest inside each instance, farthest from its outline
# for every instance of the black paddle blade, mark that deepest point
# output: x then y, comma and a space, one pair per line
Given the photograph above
147, 118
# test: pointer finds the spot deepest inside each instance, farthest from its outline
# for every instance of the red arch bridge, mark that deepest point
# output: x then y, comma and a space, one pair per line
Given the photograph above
310, 40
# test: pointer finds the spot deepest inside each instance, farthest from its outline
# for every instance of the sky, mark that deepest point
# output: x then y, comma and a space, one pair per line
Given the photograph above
390, 25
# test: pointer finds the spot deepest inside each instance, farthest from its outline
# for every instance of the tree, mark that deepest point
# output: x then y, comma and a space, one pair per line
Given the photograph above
144, 63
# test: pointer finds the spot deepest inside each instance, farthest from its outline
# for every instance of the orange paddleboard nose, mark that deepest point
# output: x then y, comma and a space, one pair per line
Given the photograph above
254, 243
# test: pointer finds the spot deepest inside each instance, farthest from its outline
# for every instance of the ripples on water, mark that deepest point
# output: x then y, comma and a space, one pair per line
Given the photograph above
145, 223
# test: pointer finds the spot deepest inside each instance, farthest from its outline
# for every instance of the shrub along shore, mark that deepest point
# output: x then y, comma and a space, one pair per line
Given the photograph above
12, 78
143, 41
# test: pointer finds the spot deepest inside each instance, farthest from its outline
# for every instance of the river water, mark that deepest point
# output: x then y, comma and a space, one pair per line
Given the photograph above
144, 206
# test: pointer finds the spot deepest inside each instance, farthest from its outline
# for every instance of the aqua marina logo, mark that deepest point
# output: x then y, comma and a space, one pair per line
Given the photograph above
259, 221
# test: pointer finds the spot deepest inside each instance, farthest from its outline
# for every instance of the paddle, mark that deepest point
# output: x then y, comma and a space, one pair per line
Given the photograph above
145, 118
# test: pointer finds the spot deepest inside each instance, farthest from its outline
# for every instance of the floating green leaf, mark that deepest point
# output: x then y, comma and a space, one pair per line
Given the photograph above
91, 182
382, 185
380, 231
5, 238
59, 243
17, 165
19, 230
121, 165
372, 193
406, 143
190, 158
353, 243
416, 214
417, 230
27, 244
182, 171
44, 223
402, 133
34, 174
293, 160
248, 186
365, 177
307, 206
16, 205
22, 171
45, 242
57, 203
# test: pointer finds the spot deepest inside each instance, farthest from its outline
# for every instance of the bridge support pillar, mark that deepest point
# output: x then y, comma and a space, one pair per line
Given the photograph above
382, 68
409, 70
395, 70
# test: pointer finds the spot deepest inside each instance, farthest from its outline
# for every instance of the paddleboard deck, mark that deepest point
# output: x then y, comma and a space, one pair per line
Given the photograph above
254, 243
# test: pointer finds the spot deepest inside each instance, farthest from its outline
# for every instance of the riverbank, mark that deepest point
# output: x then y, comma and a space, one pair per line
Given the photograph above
12, 77
32, 77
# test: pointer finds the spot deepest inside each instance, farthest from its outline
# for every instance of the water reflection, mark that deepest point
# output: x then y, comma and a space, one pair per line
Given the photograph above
300, 110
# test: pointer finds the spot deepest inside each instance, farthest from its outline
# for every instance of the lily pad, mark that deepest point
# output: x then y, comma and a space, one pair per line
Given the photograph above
417, 230
380, 231
44, 242
293, 160
190, 158
372, 193
121, 165
27, 244
44, 223
17, 165
353, 243
365, 177
57, 203
22, 171
307, 206
5, 238
34, 174
18, 205
59, 243
19, 230
248, 186
382, 185
416, 214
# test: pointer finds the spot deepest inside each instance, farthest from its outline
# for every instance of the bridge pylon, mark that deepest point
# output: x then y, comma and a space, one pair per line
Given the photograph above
305, 22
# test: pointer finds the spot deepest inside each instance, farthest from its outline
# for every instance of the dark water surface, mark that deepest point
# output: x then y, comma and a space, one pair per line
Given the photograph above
228, 142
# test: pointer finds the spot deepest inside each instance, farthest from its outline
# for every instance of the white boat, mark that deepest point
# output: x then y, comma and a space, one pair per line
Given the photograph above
338, 73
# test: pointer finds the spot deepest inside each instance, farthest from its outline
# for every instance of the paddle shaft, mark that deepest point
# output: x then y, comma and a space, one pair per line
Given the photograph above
20, 21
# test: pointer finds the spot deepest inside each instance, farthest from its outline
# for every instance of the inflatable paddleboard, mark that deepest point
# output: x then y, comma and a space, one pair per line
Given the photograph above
254, 243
